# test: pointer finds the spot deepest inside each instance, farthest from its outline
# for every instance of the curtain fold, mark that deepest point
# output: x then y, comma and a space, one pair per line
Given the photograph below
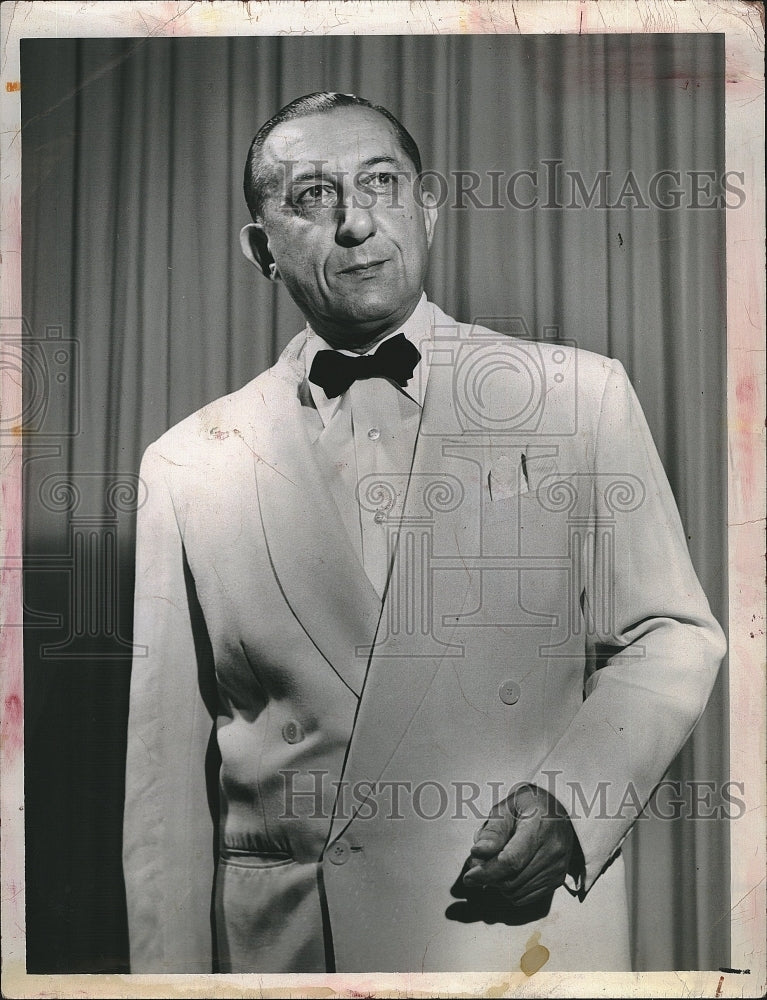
133, 152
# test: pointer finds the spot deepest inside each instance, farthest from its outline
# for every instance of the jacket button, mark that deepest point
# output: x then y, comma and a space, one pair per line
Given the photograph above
292, 732
509, 692
339, 852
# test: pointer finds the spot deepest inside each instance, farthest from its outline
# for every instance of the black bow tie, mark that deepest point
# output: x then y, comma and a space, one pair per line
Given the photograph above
334, 372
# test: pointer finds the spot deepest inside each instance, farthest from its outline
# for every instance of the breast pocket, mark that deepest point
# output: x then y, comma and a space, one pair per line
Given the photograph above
501, 511
507, 477
511, 497
505, 482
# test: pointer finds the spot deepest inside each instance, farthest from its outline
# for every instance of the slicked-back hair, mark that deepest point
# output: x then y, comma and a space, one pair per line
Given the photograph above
321, 102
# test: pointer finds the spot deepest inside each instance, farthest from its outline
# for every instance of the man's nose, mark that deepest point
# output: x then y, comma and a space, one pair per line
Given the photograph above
355, 225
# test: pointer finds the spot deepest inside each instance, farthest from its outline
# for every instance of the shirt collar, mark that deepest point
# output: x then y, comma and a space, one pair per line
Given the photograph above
417, 329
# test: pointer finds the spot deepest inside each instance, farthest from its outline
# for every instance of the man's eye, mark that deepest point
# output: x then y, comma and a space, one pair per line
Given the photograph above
317, 196
381, 180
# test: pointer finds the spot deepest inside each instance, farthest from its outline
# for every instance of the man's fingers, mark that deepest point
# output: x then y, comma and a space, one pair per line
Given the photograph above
502, 823
525, 890
514, 855
491, 838
525, 856
542, 870
514, 868
523, 851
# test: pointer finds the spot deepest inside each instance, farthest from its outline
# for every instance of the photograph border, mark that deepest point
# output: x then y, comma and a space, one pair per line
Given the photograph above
740, 22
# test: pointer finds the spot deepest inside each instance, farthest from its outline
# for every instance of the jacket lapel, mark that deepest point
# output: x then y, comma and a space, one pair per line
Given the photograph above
407, 654
317, 569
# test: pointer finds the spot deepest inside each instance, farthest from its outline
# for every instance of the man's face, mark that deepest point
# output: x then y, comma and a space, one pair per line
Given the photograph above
344, 224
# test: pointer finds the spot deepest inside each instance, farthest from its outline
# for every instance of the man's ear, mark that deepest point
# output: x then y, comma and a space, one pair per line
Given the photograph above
255, 246
430, 214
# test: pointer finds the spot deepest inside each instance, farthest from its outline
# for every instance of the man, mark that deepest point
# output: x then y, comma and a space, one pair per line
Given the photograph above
425, 591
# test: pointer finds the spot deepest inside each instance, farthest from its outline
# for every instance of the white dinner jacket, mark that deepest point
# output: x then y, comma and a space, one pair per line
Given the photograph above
543, 623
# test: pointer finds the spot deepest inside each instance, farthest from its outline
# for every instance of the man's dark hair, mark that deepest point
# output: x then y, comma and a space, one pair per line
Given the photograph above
256, 180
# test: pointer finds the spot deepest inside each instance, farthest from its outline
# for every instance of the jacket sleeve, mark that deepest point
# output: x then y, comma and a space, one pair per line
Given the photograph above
654, 648
168, 833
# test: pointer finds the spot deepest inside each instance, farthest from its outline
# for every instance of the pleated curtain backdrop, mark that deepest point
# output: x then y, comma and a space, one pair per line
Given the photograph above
133, 151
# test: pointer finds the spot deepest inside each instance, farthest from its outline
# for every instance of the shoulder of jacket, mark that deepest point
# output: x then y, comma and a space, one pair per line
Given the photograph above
237, 416
550, 357
216, 421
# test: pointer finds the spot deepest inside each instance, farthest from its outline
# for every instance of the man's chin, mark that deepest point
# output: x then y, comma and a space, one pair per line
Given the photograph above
372, 311
367, 317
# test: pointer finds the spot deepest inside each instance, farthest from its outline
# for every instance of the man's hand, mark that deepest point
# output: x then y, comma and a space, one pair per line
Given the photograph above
525, 849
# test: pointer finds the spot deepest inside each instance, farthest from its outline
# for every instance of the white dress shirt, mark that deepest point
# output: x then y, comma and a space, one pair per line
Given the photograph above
366, 441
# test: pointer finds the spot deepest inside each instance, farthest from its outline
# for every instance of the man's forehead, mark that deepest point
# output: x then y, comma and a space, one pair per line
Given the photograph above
343, 138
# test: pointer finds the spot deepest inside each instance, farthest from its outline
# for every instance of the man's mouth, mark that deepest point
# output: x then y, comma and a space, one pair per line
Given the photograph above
363, 267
